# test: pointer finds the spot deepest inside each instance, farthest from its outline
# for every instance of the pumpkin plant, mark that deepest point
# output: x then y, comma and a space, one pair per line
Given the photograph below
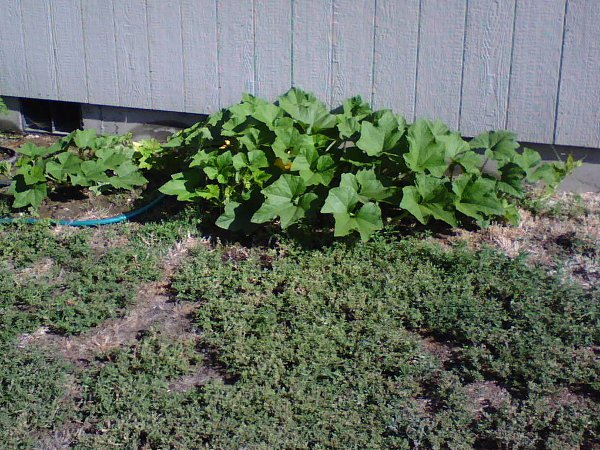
80, 159
294, 160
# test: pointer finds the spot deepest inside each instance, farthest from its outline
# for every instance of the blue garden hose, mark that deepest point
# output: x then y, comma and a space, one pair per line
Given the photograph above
90, 223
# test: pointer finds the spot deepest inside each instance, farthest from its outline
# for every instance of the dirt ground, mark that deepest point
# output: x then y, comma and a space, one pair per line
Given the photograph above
15, 140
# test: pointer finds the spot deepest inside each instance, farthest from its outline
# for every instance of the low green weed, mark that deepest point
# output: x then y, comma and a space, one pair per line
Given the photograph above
33, 395
127, 402
321, 343
322, 348
69, 282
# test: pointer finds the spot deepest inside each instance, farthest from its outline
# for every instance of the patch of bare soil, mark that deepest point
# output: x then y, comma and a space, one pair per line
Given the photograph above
486, 396
565, 236
16, 140
85, 205
444, 351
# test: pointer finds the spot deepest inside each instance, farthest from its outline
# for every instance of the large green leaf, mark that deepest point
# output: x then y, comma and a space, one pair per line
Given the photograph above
32, 174
267, 113
203, 158
127, 176
92, 172
366, 185
237, 216
221, 168
289, 141
314, 169
112, 158
498, 145
285, 198
511, 180
255, 138
342, 202
254, 160
63, 165
476, 197
311, 113
85, 138
471, 162
528, 160
355, 109
381, 135
188, 185
27, 195
33, 151
430, 197
426, 153
454, 144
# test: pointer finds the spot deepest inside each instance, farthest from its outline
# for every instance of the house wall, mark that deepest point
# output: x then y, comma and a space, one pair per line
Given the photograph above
532, 66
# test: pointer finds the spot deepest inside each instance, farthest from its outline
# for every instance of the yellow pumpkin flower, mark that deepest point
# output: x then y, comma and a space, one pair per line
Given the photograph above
279, 163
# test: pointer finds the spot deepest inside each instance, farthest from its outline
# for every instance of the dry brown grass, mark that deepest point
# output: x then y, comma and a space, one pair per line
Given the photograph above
566, 234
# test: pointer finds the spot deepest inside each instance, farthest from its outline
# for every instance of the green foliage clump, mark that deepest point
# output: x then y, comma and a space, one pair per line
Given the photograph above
3, 107
129, 390
81, 159
291, 160
69, 283
323, 348
33, 397
543, 423
317, 349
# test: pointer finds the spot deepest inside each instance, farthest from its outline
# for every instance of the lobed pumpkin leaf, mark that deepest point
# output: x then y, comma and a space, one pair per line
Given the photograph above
430, 197
381, 135
286, 199
426, 154
498, 145
309, 112
476, 197
342, 202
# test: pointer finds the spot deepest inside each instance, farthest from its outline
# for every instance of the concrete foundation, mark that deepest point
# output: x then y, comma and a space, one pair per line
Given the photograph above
142, 123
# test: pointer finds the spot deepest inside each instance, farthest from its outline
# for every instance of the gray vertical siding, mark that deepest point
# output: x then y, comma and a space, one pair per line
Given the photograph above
133, 62
395, 56
535, 68
532, 66
578, 112
272, 44
486, 65
440, 60
312, 31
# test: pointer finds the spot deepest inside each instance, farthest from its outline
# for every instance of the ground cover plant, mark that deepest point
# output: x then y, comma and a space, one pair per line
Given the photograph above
63, 283
386, 344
